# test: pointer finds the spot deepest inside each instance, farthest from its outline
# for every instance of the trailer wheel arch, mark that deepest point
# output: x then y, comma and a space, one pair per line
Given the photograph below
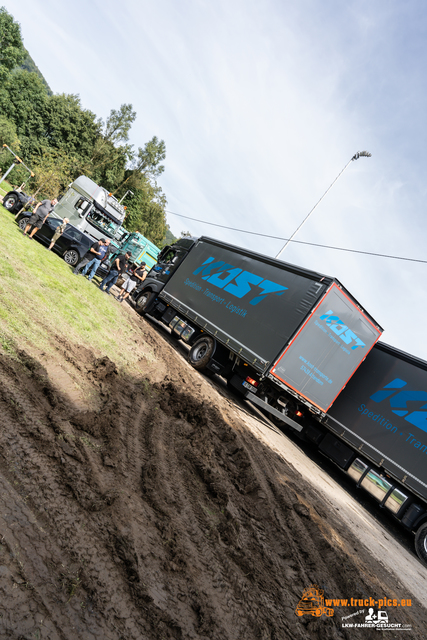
421, 543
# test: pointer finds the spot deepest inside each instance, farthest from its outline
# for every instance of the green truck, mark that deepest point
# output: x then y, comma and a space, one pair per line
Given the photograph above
142, 250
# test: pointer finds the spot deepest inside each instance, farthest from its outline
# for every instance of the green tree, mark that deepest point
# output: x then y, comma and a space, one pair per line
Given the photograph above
149, 158
111, 153
31, 66
8, 136
146, 162
69, 127
54, 171
109, 165
146, 214
12, 52
118, 124
23, 100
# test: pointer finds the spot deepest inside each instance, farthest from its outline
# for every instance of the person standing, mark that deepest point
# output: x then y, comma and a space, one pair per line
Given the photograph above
59, 231
94, 252
139, 274
118, 267
104, 253
39, 216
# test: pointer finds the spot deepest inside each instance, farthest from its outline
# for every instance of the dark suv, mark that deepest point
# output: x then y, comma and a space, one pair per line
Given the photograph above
72, 245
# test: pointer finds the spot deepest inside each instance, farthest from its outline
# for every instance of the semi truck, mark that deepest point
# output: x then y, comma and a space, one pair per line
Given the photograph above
282, 335
301, 348
92, 209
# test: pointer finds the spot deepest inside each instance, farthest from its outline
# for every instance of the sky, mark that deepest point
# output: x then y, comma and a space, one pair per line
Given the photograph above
261, 105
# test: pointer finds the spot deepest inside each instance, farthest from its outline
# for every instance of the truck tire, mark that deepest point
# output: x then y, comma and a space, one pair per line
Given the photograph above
421, 543
23, 223
201, 352
71, 257
9, 201
142, 301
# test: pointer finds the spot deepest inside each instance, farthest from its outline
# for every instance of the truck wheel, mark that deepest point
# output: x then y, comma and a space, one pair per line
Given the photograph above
10, 201
201, 352
23, 223
142, 301
71, 257
421, 543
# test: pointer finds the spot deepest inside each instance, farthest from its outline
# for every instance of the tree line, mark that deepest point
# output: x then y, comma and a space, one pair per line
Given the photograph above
60, 140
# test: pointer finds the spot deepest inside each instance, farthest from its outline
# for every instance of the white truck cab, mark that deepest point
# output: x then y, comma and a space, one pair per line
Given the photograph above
91, 209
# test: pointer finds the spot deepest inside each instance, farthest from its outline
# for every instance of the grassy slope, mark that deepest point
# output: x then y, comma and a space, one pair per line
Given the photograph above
40, 296
4, 187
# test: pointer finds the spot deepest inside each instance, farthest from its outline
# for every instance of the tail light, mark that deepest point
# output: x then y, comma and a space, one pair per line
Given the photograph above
251, 381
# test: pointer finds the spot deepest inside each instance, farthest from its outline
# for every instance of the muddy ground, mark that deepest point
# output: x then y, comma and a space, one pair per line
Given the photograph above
145, 508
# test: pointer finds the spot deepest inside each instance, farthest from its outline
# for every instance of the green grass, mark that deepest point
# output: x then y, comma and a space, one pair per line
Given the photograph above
40, 298
5, 187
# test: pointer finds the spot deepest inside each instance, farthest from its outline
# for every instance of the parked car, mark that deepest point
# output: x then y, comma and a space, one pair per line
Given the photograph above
72, 245
14, 201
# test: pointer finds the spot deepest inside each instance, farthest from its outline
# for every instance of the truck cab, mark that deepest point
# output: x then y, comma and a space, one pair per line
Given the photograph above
169, 258
142, 249
91, 209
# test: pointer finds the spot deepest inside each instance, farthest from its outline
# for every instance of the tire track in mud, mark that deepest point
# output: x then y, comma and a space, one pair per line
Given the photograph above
97, 569
232, 551
153, 516
185, 556
32, 562
54, 485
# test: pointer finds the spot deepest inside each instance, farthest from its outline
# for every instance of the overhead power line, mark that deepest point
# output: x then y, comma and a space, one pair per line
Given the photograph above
311, 244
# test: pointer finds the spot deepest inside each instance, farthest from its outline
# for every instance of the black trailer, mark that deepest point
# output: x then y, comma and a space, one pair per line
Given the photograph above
376, 431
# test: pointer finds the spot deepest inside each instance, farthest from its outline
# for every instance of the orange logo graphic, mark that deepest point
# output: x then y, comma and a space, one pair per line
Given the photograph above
312, 603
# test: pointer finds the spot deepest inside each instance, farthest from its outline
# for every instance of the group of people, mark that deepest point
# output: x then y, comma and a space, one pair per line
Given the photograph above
98, 253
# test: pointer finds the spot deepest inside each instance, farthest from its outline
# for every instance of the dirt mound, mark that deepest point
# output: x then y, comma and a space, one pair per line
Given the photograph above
155, 515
